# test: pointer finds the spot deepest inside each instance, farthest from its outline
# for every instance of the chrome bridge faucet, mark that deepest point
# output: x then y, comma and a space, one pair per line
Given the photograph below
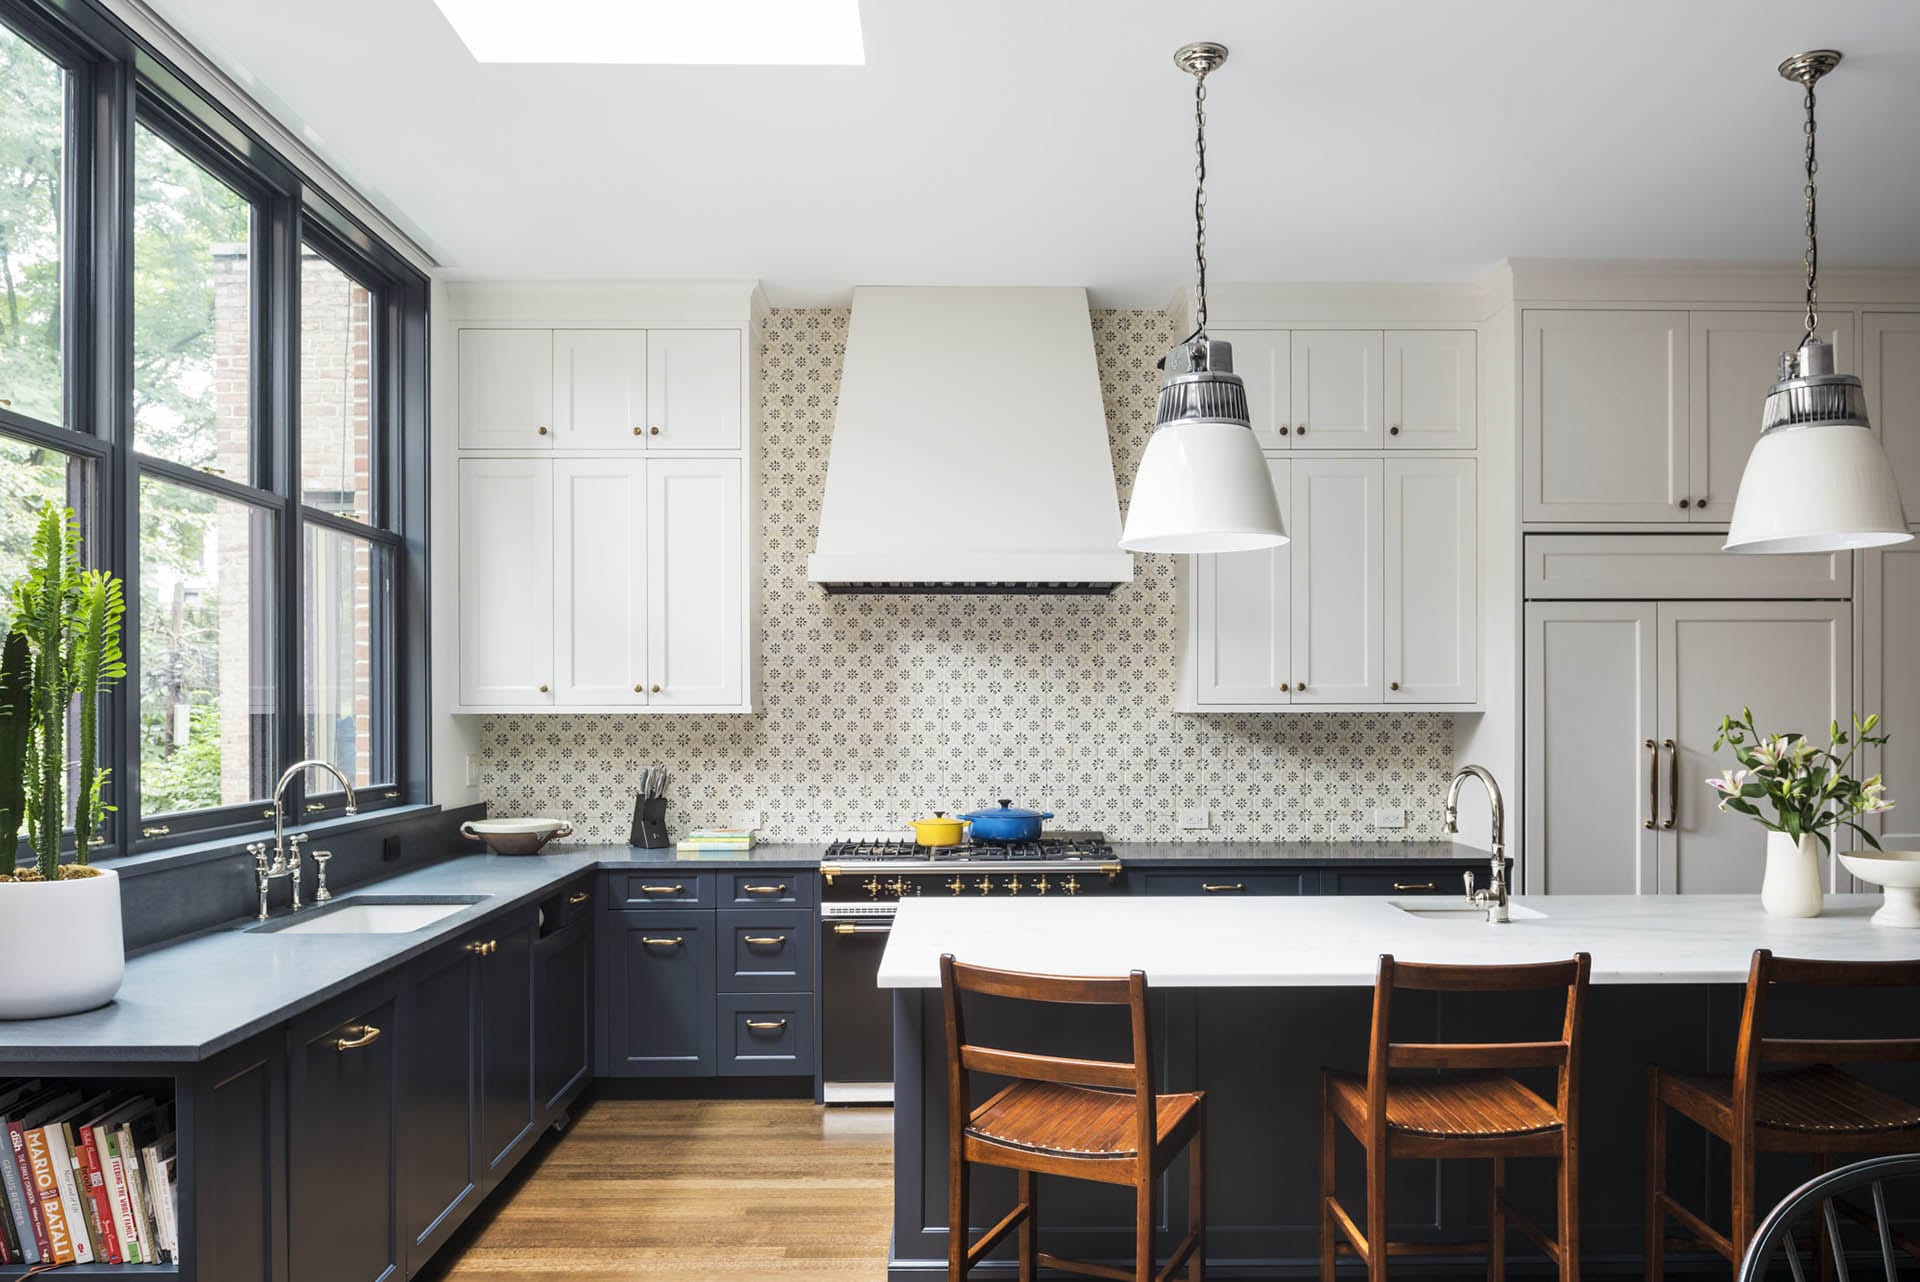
1494, 897
286, 849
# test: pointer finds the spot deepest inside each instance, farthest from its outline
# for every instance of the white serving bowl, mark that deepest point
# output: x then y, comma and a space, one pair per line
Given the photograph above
518, 836
1898, 873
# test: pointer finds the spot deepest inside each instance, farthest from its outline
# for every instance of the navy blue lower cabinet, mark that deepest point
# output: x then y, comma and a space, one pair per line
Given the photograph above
1232, 881
342, 1095
508, 1122
439, 1077
1403, 881
562, 1012
766, 1035
657, 1002
234, 1217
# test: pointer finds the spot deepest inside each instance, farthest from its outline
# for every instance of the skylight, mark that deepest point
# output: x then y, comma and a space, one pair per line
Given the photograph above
792, 33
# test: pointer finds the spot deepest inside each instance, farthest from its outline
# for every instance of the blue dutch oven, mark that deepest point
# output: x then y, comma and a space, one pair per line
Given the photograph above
1006, 823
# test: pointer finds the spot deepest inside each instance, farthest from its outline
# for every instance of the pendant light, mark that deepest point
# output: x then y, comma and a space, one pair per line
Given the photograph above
1817, 480
1203, 484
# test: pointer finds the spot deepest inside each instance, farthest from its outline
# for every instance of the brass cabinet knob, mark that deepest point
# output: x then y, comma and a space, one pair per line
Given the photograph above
655, 689
636, 431
653, 431
1394, 430
1301, 686
638, 688
478, 948
543, 687
1683, 503
542, 429
1393, 685
1284, 429
1302, 429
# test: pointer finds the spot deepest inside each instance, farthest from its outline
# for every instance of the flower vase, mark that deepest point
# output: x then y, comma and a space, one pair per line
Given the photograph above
1791, 887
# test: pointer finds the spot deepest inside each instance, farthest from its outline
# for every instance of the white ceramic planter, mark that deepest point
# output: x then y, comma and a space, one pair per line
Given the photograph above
60, 946
1791, 887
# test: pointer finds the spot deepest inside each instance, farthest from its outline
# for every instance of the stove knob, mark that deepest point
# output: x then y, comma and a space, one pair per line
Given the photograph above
1071, 885
1041, 883
984, 885
956, 885
898, 886
1013, 885
873, 887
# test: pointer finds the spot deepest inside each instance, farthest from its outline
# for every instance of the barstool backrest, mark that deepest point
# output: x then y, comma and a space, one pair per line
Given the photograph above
1755, 1049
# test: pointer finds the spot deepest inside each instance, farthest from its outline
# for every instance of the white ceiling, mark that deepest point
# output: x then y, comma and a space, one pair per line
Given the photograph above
1049, 141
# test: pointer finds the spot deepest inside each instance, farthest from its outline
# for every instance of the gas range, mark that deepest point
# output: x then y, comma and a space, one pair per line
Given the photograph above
867, 875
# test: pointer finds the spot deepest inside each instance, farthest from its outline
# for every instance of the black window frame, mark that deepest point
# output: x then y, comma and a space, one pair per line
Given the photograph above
116, 81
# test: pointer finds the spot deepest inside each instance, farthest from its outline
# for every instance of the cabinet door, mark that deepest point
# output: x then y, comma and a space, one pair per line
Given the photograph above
1890, 368
600, 389
506, 389
694, 389
657, 969
1592, 712
1337, 389
599, 581
1263, 359
342, 1081
1432, 597
1337, 571
235, 1224
1433, 389
1889, 608
1735, 358
1791, 662
563, 1014
1241, 603
439, 1161
506, 1047
1604, 416
695, 606
506, 582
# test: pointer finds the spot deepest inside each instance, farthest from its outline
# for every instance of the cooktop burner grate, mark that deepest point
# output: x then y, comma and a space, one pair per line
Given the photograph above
1061, 846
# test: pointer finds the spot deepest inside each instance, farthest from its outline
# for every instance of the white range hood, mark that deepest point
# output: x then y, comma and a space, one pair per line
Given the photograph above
970, 448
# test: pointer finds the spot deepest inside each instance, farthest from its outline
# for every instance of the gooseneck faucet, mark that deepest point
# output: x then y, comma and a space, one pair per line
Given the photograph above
1494, 897
286, 850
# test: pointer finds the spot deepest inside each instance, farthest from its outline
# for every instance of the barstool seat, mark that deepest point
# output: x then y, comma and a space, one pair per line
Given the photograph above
1469, 1106
1074, 1121
1820, 1100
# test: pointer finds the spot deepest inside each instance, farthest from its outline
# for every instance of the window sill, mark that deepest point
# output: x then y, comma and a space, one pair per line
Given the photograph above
229, 844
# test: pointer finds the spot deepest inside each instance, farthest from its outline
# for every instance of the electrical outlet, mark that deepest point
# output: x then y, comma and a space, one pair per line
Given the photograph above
750, 819
1195, 818
473, 770
1389, 818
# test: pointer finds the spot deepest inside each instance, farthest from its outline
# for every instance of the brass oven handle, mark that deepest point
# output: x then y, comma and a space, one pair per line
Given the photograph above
856, 928
763, 941
1673, 785
1653, 783
766, 1025
1413, 885
579, 897
1223, 887
367, 1036
663, 890
663, 941
781, 889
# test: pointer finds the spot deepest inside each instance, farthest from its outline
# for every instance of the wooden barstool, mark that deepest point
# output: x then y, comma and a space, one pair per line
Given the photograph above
1806, 1106
1084, 1118
1476, 1113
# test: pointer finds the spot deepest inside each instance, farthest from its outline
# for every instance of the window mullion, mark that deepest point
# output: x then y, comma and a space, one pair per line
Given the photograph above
280, 438
109, 402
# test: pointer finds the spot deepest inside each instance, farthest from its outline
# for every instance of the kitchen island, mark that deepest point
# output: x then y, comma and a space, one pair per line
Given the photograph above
1253, 997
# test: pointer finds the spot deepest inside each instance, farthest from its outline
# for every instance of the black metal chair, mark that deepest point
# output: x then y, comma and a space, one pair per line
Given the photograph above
1815, 1210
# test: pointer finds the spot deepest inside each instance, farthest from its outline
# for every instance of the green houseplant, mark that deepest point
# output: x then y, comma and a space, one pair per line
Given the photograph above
62, 650
1800, 792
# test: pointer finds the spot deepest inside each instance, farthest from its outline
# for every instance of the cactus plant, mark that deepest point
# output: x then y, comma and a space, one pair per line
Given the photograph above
16, 725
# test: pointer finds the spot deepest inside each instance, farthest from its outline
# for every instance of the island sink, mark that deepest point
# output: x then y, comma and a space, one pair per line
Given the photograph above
1452, 910
371, 915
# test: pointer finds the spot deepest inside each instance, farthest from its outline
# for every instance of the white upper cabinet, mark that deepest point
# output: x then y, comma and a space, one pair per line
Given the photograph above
1239, 631
600, 601
506, 581
1338, 387
1889, 612
1890, 368
695, 389
695, 597
506, 389
1432, 389
1263, 359
1604, 415
1432, 596
1337, 571
599, 388
1735, 358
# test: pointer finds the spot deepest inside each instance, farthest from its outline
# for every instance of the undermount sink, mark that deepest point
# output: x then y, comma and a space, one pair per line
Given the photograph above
368, 915
1454, 910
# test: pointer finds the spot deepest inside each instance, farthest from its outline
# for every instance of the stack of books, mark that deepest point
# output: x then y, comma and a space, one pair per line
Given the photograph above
88, 1177
717, 841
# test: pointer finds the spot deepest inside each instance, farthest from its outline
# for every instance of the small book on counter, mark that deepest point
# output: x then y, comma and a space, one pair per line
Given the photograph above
721, 840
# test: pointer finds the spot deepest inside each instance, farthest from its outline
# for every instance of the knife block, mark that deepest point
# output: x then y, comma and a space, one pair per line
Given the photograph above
649, 824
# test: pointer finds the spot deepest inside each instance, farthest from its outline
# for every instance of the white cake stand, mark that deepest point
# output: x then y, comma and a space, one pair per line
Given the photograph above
1898, 873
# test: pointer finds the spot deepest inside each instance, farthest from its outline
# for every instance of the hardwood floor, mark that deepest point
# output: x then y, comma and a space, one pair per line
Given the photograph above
696, 1191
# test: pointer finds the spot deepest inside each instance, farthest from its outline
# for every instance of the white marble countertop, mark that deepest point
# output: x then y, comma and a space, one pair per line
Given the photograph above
1336, 941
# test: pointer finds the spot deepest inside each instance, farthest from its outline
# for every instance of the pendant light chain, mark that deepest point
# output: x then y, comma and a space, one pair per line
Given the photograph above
1813, 234
1200, 200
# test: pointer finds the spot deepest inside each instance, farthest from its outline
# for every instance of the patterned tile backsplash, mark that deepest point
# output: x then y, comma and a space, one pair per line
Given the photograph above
879, 709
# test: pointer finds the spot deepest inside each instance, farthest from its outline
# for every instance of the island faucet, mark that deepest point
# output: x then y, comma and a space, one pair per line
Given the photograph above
286, 850
1494, 897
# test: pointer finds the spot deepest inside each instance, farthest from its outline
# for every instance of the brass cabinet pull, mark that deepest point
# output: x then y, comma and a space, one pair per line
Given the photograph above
1301, 686
663, 890
1653, 783
484, 947
5, 404
636, 431
156, 830
673, 941
781, 889
859, 928
654, 431
314, 807
543, 687
1673, 785
1413, 885
1224, 887
367, 1036
656, 688
541, 429
1393, 685
579, 897
638, 688
766, 1025
763, 941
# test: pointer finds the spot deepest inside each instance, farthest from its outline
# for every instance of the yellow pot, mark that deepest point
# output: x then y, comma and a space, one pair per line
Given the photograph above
939, 830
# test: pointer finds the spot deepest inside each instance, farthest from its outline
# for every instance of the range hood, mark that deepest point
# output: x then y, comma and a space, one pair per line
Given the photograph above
970, 448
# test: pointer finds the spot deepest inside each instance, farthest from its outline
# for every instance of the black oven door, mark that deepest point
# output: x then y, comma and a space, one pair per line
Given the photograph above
856, 1015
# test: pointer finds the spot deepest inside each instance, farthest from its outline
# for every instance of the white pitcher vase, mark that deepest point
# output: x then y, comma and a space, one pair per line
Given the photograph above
1791, 887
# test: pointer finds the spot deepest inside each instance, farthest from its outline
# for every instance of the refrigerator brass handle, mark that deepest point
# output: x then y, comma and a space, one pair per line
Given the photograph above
766, 1025
1413, 885
670, 941
663, 890
579, 897
1653, 784
1673, 785
763, 941
1223, 887
367, 1036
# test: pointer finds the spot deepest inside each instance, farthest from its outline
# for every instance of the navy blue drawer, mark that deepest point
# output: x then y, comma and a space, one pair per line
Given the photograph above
669, 888
767, 889
1399, 881
766, 950
766, 1036
1230, 883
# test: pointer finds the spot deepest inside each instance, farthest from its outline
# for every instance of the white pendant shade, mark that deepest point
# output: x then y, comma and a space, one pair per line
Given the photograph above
1203, 487
1819, 488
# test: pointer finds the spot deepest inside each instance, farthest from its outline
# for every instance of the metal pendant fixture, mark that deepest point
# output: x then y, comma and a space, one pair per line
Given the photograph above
1817, 480
1203, 484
